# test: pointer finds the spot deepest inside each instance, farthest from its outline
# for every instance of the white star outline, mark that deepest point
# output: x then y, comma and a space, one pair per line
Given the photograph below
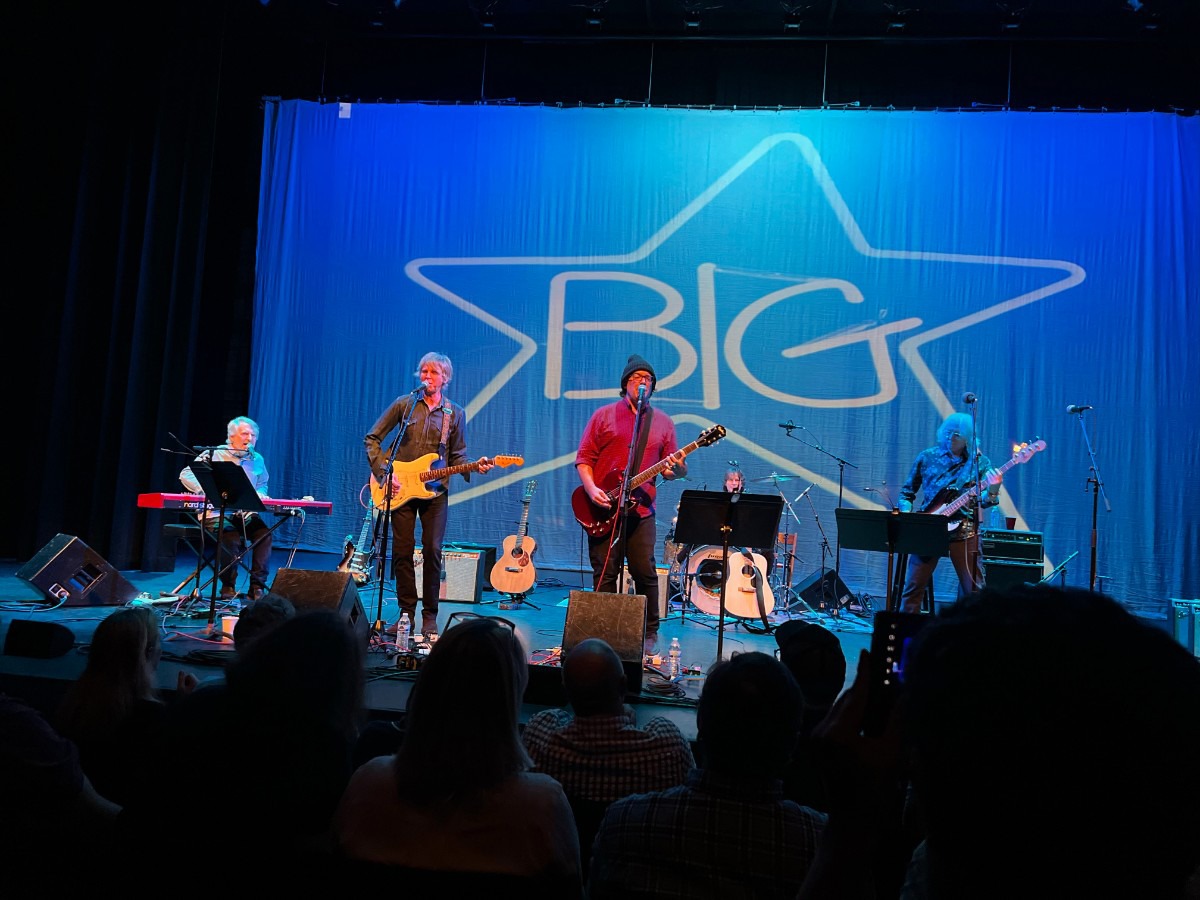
909, 348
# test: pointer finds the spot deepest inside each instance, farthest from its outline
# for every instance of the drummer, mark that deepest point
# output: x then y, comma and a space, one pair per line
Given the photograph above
735, 483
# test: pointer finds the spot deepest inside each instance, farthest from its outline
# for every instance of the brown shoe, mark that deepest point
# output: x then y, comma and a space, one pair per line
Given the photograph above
228, 593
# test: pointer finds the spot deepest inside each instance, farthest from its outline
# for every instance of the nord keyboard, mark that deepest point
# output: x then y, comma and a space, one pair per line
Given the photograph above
197, 502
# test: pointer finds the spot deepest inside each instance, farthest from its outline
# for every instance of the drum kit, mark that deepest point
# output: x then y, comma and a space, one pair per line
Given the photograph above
752, 579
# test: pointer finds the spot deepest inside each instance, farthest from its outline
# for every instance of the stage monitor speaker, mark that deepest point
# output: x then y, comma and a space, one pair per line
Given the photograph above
70, 573
312, 589
1004, 574
38, 640
829, 593
618, 619
462, 575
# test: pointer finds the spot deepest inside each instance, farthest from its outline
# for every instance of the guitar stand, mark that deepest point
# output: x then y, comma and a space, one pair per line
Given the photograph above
515, 601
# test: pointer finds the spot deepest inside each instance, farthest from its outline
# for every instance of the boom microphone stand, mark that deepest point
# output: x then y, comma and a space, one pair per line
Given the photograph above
386, 518
1097, 488
842, 463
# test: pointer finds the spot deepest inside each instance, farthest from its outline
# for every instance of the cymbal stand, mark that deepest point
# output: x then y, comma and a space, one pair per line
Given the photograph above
792, 598
842, 463
1096, 486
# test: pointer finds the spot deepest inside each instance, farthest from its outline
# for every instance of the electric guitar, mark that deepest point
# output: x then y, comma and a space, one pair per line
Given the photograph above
599, 520
360, 563
948, 508
513, 572
413, 475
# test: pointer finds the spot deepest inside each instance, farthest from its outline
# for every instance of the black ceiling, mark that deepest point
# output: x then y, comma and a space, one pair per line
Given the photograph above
1080, 20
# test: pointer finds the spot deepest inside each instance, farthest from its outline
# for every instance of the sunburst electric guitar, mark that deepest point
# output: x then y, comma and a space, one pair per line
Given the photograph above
413, 475
948, 507
359, 560
513, 572
599, 520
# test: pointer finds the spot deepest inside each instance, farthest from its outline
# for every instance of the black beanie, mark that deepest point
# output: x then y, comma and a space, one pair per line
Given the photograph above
633, 365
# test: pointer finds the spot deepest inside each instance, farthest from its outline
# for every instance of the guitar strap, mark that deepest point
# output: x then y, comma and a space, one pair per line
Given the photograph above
447, 412
640, 450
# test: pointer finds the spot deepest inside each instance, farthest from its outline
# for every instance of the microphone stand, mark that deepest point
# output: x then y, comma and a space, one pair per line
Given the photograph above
1060, 569
787, 566
977, 506
815, 444
619, 534
401, 430
1097, 488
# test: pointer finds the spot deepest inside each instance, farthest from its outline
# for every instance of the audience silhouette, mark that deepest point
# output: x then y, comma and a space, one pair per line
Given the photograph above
1052, 739
727, 832
457, 797
599, 753
113, 712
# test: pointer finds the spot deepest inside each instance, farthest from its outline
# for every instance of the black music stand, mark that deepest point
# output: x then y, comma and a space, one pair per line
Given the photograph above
892, 531
715, 517
226, 487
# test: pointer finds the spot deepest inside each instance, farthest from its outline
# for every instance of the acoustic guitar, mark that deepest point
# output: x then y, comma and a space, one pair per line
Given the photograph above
513, 572
413, 475
599, 520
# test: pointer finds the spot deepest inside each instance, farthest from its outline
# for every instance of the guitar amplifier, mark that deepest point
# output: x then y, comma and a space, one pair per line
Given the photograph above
462, 575
663, 587
1186, 618
1023, 546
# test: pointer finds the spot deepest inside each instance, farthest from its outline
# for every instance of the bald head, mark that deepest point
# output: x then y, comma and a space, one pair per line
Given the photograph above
594, 678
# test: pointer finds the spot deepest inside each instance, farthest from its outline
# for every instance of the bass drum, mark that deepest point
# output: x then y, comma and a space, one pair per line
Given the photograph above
743, 592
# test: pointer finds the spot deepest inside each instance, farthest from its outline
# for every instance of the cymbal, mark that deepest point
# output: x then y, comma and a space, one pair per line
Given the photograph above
774, 477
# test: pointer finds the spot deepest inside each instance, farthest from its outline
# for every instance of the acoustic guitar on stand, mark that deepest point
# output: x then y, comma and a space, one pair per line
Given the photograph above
599, 520
513, 572
413, 475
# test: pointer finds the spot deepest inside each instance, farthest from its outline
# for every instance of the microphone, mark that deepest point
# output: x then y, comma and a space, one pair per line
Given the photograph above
806, 490
420, 388
788, 425
1076, 410
968, 397
641, 393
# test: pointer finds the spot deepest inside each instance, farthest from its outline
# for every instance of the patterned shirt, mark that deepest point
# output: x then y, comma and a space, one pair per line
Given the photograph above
607, 757
941, 476
714, 836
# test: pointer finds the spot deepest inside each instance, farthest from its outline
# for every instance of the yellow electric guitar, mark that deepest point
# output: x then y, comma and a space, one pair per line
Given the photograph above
413, 475
513, 572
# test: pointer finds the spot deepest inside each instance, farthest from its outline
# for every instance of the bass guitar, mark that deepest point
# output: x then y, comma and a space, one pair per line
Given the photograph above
599, 520
939, 507
413, 475
513, 572
360, 563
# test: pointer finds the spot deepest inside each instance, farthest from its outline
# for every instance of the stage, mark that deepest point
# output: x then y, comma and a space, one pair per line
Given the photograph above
190, 645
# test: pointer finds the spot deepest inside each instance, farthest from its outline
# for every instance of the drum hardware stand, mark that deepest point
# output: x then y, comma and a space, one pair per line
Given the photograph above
842, 463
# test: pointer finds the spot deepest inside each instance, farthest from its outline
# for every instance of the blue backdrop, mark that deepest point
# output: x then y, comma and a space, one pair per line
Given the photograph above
854, 272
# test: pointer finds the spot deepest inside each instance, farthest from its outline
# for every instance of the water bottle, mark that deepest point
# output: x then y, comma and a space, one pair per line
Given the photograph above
403, 627
673, 658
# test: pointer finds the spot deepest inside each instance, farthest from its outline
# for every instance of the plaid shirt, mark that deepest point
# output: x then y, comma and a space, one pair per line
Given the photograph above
606, 757
715, 836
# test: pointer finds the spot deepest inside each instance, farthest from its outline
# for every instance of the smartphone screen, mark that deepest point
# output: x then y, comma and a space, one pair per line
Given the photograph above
890, 647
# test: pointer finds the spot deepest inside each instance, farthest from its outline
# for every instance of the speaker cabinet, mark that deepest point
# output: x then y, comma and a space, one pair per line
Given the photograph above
462, 575
70, 573
1006, 574
38, 640
312, 589
618, 619
829, 593
1186, 620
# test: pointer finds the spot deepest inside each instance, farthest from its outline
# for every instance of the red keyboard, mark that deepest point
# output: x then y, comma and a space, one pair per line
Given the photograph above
197, 501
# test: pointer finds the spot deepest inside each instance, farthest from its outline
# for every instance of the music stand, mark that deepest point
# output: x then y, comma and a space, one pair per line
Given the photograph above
892, 531
226, 487
715, 517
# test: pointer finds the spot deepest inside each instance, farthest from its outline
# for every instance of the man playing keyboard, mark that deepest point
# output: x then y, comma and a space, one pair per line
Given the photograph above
239, 528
